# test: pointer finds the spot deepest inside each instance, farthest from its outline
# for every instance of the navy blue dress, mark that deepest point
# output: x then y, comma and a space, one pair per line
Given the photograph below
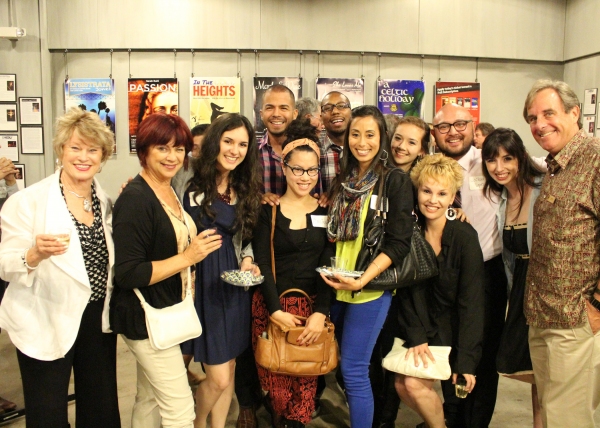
223, 309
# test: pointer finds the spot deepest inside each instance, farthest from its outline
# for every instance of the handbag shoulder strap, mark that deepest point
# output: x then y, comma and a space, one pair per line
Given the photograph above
273, 215
140, 296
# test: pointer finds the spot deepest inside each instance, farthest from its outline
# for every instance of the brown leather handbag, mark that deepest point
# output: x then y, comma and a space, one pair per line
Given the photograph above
280, 353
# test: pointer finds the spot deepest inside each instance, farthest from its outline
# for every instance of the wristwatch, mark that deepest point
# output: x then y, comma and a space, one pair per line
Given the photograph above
595, 303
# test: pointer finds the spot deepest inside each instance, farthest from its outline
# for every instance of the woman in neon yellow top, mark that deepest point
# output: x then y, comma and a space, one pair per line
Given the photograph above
359, 313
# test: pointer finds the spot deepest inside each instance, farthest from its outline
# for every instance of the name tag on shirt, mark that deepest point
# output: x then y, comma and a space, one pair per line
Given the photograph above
477, 182
373, 204
319, 220
193, 202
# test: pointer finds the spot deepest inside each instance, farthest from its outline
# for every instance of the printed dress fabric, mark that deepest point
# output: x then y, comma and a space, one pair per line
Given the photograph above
291, 396
513, 354
223, 309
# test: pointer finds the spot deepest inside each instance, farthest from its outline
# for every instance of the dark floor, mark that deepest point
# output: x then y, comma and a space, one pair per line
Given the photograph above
513, 409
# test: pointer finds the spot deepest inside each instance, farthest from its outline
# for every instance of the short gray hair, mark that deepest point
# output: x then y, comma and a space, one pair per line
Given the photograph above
307, 105
567, 95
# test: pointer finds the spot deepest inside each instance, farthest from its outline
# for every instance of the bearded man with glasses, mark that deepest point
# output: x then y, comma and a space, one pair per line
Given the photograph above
454, 132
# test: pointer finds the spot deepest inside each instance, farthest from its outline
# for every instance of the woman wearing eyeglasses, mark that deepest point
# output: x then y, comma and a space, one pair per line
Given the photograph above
300, 245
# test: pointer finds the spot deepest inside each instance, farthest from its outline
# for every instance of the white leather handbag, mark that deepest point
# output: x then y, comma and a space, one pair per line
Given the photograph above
395, 362
174, 324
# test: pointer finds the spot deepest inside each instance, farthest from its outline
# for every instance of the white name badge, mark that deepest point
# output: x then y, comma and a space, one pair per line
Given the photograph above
477, 182
373, 203
319, 220
194, 203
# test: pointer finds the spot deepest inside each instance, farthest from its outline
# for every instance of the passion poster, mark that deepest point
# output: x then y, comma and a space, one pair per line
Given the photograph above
401, 97
211, 97
465, 94
354, 89
95, 95
148, 96
261, 84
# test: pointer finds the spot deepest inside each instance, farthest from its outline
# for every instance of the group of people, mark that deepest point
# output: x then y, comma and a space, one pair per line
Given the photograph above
516, 239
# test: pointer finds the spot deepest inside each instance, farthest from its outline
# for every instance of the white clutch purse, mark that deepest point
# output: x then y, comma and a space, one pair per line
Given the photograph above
395, 362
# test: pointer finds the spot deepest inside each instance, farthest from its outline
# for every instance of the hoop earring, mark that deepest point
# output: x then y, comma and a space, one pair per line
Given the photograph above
382, 157
451, 213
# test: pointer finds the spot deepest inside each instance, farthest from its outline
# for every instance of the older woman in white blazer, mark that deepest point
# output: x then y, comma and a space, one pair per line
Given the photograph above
57, 255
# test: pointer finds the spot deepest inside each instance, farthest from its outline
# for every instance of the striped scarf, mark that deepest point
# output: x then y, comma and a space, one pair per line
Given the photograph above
343, 222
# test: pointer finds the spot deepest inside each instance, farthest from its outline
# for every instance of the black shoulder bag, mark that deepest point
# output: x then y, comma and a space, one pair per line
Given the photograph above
418, 265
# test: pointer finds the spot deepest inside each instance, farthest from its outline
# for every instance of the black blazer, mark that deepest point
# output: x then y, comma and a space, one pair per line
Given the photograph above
143, 233
399, 226
449, 309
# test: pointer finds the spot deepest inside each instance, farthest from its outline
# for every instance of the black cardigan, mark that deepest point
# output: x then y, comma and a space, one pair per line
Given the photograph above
142, 233
295, 266
449, 309
399, 226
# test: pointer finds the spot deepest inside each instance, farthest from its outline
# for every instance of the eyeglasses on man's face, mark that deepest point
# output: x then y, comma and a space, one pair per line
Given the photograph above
459, 125
328, 108
299, 172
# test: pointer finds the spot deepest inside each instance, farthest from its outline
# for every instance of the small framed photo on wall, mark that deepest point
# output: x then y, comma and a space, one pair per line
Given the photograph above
589, 125
8, 88
32, 140
30, 110
20, 176
589, 101
9, 147
8, 117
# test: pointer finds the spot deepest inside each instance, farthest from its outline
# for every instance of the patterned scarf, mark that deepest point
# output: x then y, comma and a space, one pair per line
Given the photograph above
343, 223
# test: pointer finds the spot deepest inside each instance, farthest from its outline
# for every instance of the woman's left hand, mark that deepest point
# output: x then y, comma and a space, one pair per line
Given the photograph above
247, 264
314, 327
461, 215
469, 378
340, 282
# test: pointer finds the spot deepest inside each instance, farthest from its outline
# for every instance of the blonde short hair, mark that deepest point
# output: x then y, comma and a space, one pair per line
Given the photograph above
439, 168
89, 126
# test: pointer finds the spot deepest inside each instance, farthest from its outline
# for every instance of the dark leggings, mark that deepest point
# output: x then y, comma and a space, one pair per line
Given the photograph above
93, 360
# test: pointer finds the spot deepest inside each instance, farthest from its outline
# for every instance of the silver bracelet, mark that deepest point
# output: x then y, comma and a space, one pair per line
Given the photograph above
24, 258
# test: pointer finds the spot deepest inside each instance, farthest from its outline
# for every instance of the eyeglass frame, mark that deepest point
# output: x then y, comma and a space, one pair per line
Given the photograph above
296, 168
450, 125
340, 106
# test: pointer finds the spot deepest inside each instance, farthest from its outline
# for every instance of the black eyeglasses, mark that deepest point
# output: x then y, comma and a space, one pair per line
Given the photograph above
459, 125
328, 108
299, 172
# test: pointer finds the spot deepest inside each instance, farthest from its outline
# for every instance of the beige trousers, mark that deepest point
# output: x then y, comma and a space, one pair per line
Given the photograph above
163, 398
566, 366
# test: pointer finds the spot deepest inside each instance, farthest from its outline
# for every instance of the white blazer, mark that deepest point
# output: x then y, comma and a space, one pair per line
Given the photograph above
42, 310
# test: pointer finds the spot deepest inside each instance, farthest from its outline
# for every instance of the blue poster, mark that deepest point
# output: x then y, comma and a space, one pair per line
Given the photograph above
401, 97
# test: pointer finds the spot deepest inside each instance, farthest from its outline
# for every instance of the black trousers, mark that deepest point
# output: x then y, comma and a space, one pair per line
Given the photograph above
93, 359
477, 409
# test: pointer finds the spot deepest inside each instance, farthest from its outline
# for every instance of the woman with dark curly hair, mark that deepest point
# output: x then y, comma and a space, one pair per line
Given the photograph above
223, 195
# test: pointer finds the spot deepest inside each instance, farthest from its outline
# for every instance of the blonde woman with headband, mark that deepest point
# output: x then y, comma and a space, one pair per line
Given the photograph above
300, 246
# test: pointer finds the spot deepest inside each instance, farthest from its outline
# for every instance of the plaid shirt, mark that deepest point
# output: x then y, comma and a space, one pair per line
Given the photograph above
273, 178
330, 163
565, 254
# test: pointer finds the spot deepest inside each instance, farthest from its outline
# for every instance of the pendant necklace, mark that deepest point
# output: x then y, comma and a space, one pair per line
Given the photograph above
87, 205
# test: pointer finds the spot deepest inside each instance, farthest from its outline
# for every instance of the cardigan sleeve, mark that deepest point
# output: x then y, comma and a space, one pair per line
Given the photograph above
133, 221
261, 244
398, 229
470, 301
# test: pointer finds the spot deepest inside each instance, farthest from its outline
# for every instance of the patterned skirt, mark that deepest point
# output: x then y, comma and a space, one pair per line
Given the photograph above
292, 397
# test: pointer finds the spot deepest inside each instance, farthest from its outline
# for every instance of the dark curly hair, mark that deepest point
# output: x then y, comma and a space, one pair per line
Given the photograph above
348, 162
510, 141
300, 128
245, 179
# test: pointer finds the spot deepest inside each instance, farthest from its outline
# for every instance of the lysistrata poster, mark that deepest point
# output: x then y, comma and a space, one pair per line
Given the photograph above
147, 96
95, 95
210, 97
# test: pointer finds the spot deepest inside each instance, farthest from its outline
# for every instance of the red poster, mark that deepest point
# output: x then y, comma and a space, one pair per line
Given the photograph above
467, 95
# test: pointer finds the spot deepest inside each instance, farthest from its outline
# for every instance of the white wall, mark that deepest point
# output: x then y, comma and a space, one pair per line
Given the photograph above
519, 41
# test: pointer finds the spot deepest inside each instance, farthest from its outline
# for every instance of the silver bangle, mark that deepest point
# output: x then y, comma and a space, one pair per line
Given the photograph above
24, 257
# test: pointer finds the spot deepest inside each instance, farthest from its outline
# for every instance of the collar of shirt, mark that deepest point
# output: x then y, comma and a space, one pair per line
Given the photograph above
471, 156
562, 159
326, 143
264, 142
